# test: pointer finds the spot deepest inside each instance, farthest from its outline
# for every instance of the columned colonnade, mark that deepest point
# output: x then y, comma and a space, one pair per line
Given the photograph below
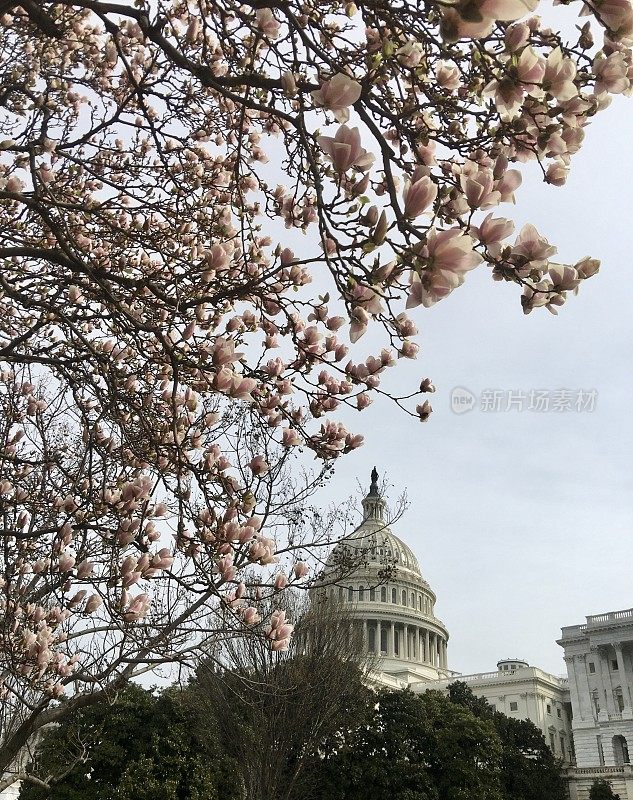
405, 641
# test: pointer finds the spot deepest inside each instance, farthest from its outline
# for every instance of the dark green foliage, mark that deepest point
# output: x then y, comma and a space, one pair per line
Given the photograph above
529, 769
601, 790
433, 747
141, 747
420, 747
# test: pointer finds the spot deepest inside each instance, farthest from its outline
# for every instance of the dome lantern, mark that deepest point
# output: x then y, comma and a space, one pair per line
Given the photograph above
373, 504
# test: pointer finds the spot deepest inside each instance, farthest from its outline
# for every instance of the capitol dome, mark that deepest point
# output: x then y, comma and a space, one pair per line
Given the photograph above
379, 576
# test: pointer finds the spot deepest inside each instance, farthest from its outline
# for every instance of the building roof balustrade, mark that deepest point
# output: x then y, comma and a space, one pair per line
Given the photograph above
611, 616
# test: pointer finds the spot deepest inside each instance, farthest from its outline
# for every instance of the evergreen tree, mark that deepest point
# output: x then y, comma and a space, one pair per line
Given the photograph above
141, 747
602, 790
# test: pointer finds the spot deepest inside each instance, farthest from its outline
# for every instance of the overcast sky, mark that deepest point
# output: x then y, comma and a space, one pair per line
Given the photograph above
522, 520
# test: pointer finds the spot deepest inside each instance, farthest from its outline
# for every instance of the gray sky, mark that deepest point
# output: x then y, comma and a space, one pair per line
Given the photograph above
522, 520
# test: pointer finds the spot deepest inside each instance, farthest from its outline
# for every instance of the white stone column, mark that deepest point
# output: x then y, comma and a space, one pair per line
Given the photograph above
392, 649
573, 687
624, 678
584, 692
607, 693
378, 637
405, 643
427, 651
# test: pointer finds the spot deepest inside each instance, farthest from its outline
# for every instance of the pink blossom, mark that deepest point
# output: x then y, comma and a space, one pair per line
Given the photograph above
418, 195
447, 76
611, 73
337, 95
267, 23
137, 609
410, 54
508, 184
531, 67
559, 76
301, 569
289, 84
251, 616
493, 230
345, 151
290, 437
281, 581
14, 185
516, 37
84, 570
556, 174
563, 277
66, 562
532, 246
451, 250
241, 388
424, 411
506, 10
617, 15
358, 326
259, 465
587, 267
478, 189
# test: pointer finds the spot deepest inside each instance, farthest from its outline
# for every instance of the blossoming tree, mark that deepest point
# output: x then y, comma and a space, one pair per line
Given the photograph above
162, 354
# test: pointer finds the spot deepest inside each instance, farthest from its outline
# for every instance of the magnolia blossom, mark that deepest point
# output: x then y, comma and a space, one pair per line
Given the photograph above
410, 54
279, 631
563, 277
337, 95
418, 195
476, 18
478, 188
259, 465
611, 74
556, 174
492, 230
345, 151
451, 250
533, 247
267, 23
617, 15
301, 569
449, 255
447, 76
559, 76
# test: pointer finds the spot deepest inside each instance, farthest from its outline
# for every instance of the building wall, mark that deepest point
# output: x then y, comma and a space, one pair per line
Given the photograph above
599, 659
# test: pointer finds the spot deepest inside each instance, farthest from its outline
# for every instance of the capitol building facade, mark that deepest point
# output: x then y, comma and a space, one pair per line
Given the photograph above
585, 716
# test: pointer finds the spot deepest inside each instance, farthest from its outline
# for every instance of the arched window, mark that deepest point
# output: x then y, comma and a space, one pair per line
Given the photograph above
412, 600
383, 640
361, 592
350, 594
372, 639
372, 594
404, 597
396, 642
394, 595
383, 594
419, 602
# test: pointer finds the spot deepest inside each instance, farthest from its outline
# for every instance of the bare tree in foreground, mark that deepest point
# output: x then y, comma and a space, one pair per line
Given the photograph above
272, 710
